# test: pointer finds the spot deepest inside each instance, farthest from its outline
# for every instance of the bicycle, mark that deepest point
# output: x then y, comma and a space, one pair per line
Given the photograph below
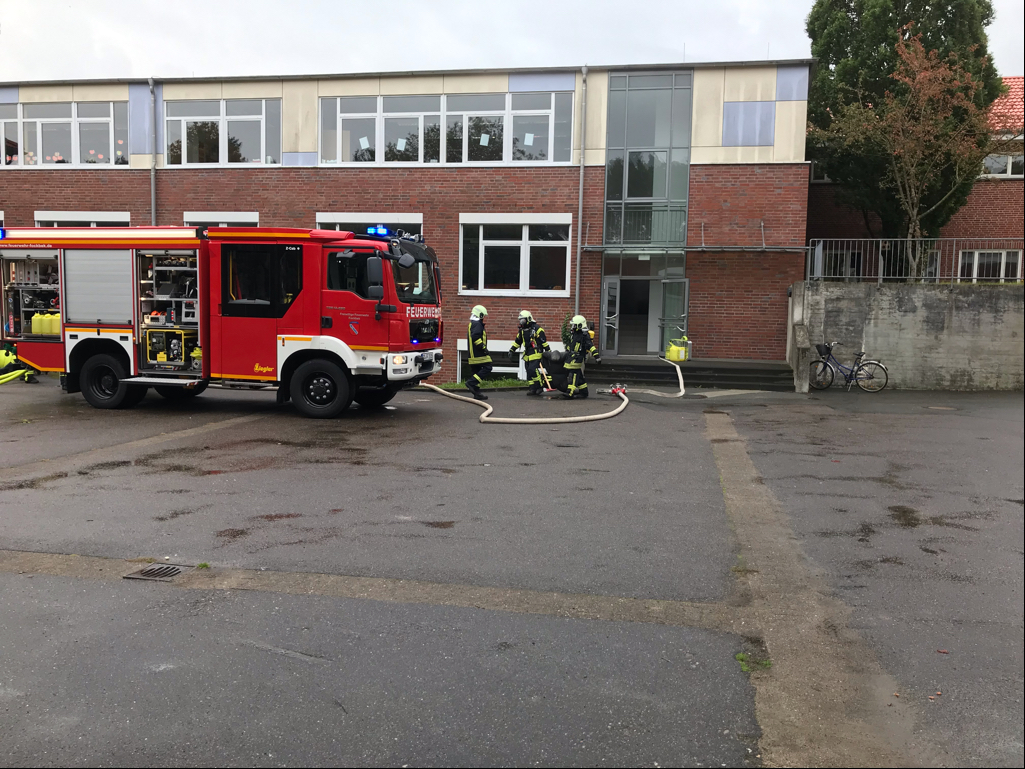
870, 375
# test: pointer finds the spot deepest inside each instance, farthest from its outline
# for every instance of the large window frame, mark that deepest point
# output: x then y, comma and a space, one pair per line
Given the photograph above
221, 218
559, 113
27, 131
358, 223
176, 127
82, 218
970, 259
524, 243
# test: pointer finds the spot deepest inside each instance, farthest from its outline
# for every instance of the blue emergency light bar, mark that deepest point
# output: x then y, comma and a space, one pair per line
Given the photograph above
3, 233
378, 230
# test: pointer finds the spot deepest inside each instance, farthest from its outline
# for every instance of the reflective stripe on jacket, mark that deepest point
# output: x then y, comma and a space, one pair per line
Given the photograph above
579, 346
533, 341
477, 341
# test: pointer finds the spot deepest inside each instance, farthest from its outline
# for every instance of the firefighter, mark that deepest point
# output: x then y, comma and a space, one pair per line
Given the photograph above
580, 345
480, 360
531, 338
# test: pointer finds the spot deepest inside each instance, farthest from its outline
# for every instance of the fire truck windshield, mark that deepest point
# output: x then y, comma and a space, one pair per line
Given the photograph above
416, 284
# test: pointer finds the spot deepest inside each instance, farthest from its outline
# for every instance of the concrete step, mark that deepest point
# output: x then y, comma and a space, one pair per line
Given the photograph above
725, 374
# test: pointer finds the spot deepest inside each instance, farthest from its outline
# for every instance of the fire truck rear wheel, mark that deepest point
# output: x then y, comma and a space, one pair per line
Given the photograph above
173, 393
102, 382
374, 397
320, 389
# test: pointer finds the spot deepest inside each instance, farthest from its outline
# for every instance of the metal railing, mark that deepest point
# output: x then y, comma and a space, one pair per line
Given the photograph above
645, 223
922, 260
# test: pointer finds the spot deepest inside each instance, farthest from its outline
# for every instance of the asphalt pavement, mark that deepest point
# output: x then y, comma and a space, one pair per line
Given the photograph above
408, 586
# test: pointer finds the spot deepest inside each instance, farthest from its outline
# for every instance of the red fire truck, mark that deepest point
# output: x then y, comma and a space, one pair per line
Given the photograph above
325, 317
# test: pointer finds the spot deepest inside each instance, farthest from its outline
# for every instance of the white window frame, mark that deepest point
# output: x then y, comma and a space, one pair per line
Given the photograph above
525, 220
75, 161
975, 265
1008, 174
223, 218
222, 134
507, 113
331, 218
121, 217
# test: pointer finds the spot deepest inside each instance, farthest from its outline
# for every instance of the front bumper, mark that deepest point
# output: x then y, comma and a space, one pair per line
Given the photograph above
403, 366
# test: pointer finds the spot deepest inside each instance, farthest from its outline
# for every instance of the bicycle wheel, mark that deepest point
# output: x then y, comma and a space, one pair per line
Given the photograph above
871, 377
821, 376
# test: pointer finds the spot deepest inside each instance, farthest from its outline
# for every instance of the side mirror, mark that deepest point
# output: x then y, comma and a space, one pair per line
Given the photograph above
375, 292
375, 271
406, 261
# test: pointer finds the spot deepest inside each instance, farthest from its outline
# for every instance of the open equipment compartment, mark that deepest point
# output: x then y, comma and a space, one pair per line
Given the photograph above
31, 293
169, 311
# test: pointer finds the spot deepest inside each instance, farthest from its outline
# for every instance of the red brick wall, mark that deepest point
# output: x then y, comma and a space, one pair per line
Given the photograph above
994, 209
732, 201
291, 197
738, 303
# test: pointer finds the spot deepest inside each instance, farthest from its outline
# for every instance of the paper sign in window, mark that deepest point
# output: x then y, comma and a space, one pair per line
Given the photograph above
400, 145
484, 138
528, 140
364, 142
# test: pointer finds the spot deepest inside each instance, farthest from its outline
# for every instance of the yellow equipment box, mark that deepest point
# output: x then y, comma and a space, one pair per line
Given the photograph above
678, 350
170, 347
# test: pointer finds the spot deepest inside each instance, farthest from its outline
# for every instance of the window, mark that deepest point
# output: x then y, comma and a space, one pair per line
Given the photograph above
748, 123
83, 218
990, 266
647, 171
358, 223
223, 131
347, 271
65, 133
1004, 165
515, 254
222, 219
458, 128
260, 281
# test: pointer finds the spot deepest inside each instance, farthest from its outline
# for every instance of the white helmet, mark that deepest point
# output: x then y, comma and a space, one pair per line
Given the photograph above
578, 323
525, 318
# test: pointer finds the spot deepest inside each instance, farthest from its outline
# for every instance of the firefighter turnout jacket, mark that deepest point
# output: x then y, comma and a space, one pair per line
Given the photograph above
533, 341
477, 339
580, 345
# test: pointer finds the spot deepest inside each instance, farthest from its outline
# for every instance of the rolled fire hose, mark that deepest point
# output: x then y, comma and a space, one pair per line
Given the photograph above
617, 390
12, 375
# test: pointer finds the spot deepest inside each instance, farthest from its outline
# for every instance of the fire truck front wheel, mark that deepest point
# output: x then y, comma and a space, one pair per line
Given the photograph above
374, 397
320, 389
103, 385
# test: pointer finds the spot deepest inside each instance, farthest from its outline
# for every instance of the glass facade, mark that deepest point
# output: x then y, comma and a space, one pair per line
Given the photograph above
647, 168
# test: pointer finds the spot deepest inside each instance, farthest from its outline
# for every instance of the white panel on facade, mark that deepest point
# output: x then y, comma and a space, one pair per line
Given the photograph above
98, 286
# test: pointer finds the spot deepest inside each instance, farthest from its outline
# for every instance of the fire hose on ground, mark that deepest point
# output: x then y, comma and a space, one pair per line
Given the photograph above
619, 390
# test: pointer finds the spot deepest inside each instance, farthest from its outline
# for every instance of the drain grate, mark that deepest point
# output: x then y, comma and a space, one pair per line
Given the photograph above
158, 572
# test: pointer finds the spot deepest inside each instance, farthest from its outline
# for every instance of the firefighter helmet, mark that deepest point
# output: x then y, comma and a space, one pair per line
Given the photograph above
480, 311
578, 323
525, 318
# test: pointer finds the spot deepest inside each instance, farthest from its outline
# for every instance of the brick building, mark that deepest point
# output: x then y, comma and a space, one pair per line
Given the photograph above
684, 206
994, 209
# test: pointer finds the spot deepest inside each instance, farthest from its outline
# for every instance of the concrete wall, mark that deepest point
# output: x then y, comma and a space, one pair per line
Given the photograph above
960, 337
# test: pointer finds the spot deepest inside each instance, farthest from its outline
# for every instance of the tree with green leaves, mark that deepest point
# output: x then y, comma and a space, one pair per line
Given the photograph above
856, 44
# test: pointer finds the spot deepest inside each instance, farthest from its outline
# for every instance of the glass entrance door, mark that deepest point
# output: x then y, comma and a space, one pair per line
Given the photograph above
610, 316
673, 321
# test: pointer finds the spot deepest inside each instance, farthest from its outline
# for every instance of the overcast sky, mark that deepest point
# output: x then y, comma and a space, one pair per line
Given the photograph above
53, 40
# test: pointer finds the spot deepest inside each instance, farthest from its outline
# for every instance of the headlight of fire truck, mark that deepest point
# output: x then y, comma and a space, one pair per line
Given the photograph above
399, 360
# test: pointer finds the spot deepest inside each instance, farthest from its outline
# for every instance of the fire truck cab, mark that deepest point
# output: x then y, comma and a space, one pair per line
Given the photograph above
324, 317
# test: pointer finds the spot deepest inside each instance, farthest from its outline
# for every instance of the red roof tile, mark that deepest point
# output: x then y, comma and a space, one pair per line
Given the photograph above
1010, 108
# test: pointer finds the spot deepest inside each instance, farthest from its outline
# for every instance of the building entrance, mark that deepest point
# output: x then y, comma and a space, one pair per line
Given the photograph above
641, 313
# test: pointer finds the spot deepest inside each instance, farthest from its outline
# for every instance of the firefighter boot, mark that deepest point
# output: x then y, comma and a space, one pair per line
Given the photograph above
474, 389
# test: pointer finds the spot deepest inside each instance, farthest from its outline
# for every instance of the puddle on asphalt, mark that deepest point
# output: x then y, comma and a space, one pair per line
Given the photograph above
906, 517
